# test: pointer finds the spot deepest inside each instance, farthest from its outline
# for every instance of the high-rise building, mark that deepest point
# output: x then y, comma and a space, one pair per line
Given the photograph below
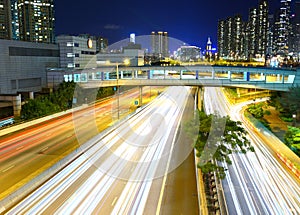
262, 29
294, 36
244, 40
102, 44
5, 20
283, 27
251, 29
231, 38
36, 20
15, 20
237, 34
221, 39
208, 51
160, 44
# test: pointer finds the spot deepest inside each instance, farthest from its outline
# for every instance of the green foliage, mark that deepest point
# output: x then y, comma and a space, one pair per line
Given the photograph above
60, 100
267, 112
290, 101
256, 110
292, 139
219, 147
105, 92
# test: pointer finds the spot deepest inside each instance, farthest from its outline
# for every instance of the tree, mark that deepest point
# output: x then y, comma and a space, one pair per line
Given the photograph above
292, 139
290, 101
218, 138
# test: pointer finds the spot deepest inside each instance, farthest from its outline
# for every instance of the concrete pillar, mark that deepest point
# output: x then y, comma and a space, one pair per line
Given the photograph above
136, 74
141, 95
283, 78
229, 75
180, 74
31, 95
122, 74
17, 105
200, 98
213, 74
132, 74
278, 77
197, 75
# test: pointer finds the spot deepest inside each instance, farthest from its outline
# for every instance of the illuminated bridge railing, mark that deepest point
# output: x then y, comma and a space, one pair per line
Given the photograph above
245, 77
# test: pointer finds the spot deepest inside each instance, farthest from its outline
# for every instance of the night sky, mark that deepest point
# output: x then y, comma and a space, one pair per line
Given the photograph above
190, 21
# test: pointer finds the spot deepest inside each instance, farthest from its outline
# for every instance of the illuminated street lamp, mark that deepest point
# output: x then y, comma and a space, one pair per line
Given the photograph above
294, 119
126, 62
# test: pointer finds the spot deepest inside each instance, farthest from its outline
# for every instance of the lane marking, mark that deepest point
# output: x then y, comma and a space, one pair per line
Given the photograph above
8, 168
20, 147
44, 149
114, 201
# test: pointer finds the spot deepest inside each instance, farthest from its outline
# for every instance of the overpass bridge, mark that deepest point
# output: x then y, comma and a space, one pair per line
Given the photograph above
215, 76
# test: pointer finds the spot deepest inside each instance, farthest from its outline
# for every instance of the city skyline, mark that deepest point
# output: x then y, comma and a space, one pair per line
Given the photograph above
192, 22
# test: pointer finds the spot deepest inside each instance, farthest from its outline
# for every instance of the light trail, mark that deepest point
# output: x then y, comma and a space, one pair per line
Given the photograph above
115, 175
261, 184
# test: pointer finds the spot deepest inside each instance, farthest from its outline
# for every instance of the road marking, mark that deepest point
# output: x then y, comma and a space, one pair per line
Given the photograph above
44, 149
8, 168
114, 201
20, 147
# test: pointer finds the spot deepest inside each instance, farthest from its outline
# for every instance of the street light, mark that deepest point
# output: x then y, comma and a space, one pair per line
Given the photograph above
126, 62
294, 119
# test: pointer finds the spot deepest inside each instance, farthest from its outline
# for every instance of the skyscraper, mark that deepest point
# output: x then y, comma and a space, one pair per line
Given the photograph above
262, 29
36, 20
5, 20
221, 39
283, 27
15, 20
160, 44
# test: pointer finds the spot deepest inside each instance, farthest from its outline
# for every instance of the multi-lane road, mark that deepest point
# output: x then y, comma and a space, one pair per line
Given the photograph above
256, 182
122, 168
27, 153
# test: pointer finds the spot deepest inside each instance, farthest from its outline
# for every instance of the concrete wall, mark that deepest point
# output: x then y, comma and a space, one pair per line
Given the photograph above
23, 65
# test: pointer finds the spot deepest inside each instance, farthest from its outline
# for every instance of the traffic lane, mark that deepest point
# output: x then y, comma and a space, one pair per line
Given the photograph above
102, 159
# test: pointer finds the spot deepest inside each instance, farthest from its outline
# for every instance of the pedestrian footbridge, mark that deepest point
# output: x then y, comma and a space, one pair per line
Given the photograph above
208, 76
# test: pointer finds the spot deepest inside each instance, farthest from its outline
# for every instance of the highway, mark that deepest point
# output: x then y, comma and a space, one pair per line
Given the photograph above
116, 175
256, 182
27, 153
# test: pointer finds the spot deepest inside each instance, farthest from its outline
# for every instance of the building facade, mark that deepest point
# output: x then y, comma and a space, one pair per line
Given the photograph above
23, 65
77, 52
160, 44
188, 53
239, 40
36, 20
5, 20
15, 20
283, 28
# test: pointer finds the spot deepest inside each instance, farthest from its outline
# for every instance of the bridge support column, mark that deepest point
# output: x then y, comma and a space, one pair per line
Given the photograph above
107, 76
278, 77
141, 95
200, 98
17, 105
197, 75
135, 74
31, 95
229, 75
213, 74
282, 78
180, 74
122, 74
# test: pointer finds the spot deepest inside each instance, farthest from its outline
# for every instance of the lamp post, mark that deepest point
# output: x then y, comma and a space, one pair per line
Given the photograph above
126, 62
294, 119
118, 92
